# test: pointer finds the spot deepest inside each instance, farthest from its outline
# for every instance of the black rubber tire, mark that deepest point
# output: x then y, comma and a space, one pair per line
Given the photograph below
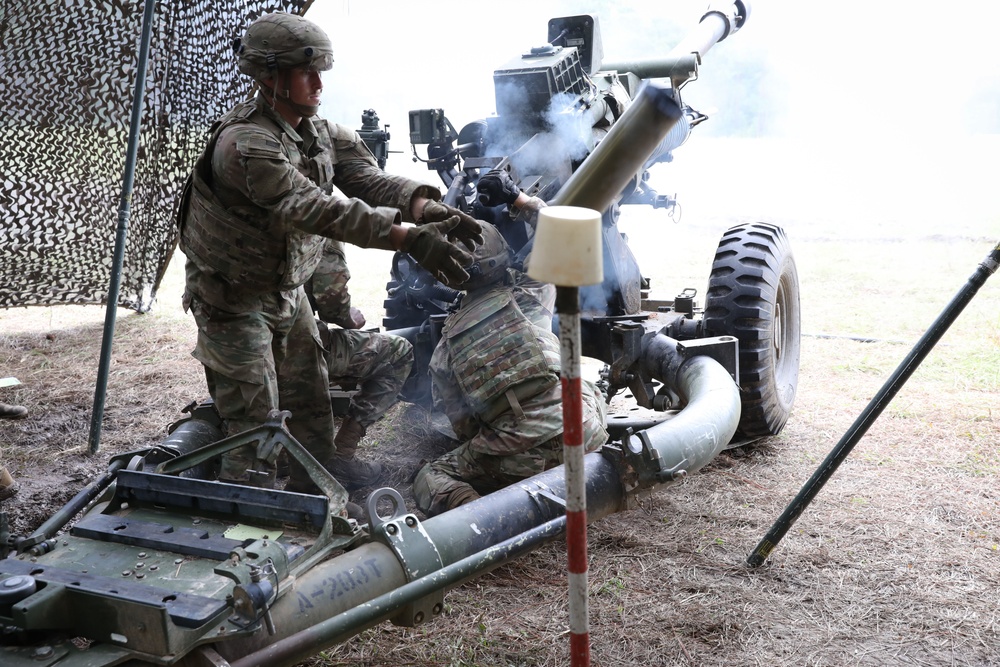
753, 295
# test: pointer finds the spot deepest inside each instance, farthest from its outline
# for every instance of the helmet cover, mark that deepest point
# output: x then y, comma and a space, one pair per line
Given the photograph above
282, 41
490, 261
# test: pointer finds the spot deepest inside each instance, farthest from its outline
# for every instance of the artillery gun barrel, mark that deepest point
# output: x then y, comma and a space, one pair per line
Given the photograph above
721, 20
649, 121
623, 152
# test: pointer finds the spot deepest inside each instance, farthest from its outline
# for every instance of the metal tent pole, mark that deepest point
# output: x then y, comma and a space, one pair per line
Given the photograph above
100, 392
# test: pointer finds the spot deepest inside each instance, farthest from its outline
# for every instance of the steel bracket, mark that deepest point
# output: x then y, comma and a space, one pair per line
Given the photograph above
403, 533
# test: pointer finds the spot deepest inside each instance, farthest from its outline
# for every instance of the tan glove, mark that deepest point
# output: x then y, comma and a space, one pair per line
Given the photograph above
532, 204
467, 229
429, 244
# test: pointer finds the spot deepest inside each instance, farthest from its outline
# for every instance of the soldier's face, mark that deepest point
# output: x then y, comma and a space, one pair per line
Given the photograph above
304, 86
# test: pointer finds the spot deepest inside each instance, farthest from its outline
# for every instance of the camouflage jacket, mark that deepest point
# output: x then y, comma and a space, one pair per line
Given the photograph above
488, 347
275, 192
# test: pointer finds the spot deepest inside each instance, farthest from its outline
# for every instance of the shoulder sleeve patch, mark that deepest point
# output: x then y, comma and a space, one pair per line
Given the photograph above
260, 145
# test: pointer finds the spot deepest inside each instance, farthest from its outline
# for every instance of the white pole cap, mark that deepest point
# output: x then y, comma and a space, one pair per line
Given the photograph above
568, 247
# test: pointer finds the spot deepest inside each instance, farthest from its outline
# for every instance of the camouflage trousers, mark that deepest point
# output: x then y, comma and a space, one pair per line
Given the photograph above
478, 463
466, 466
378, 364
440, 482
267, 359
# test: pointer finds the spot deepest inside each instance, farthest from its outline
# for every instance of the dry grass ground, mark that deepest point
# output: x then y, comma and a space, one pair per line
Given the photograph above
897, 562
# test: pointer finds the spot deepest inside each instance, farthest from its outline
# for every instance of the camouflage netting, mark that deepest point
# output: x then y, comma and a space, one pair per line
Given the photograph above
66, 92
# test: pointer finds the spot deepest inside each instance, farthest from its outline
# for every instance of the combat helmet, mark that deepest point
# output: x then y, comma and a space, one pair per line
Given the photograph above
490, 260
281, 41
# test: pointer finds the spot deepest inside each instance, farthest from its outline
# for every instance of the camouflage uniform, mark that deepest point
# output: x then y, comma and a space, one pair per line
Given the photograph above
327, 288
262, 198
378, 363
536, 300
495, 374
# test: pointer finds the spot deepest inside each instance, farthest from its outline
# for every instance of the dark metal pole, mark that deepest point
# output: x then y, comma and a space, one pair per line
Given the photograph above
123, 214
76, 505
874, 408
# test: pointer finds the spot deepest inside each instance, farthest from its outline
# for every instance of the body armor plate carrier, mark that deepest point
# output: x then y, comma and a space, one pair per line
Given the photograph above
495, 351
252, 254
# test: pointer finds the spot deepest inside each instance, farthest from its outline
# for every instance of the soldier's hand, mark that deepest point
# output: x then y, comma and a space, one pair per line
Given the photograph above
526, 208
429, 244
497, 187
467, 230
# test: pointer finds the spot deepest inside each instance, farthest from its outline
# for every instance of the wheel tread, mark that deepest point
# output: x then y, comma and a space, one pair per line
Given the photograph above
752, 263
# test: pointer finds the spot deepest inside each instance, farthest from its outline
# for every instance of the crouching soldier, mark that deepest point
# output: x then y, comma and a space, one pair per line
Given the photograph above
495, 375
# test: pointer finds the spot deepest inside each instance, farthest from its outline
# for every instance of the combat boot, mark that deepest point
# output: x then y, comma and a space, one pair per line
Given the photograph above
350, 471
13, 411
456, 494
462, 496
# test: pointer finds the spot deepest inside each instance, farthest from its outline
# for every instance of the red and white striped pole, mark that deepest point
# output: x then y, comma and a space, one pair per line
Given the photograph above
567, 253
568, 307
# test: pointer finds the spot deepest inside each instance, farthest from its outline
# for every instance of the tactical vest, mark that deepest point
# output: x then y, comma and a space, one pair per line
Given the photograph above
494, 351
245, 245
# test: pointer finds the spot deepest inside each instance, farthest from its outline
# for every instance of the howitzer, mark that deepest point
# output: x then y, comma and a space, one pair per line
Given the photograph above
166, 568
163, 569
558, 108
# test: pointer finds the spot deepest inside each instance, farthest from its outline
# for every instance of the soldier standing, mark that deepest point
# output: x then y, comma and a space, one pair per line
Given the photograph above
273, 181
495, 374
